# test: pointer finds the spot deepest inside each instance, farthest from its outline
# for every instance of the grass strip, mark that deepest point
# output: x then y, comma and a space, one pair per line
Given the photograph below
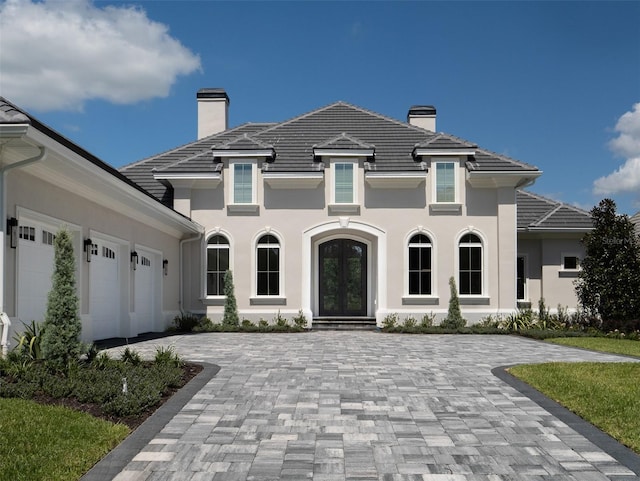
605, 394
602, 344
51, 443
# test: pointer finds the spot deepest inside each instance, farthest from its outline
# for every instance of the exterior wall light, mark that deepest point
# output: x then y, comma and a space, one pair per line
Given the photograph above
88, 244
134, 259
165, 267
12, 230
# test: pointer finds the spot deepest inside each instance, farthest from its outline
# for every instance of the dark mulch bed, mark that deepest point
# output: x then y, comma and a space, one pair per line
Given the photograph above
190, 370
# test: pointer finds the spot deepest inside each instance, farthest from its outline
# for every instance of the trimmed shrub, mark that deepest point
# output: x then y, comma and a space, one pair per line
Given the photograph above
62, 326
230, 317
454, 319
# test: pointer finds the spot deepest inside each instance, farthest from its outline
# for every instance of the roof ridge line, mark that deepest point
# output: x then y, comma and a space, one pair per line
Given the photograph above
547, 215
346, 104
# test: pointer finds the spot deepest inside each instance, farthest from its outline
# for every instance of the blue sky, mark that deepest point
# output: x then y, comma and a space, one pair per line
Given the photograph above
554, 84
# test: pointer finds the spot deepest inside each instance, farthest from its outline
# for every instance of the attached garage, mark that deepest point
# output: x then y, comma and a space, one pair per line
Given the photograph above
46, 182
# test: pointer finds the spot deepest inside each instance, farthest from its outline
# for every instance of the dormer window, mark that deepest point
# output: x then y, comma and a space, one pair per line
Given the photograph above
243, 185
344, 185
445, 181
243, 180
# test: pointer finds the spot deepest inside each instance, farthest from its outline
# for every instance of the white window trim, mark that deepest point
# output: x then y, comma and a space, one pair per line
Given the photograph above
417, 298
243, 206
438, 206
484, 295
215, 300
345, 207
206, 261
264, 299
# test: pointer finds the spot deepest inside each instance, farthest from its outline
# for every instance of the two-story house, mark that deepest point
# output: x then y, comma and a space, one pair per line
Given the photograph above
345, 213
341, 213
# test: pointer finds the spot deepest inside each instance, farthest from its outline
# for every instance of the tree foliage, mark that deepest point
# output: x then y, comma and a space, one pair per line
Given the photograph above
608, 285
230, 317
62, 326
454, 319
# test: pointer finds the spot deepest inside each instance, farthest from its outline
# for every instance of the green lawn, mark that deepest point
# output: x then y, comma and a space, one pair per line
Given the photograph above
605, 394
603, 344
50, 443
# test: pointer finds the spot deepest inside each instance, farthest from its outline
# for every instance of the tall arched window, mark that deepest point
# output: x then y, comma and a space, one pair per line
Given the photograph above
268, 266
217, 264
420, 265
470, 252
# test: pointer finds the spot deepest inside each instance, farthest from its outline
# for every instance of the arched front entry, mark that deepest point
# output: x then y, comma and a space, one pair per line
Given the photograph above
371, 254
342, 278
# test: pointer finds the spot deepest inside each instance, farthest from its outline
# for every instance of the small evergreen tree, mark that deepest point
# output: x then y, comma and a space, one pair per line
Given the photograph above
62, 326
454, 319
230, 317
608, 285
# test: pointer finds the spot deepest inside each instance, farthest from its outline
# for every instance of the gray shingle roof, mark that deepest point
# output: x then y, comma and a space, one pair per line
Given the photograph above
244, 142
141, 172
339, 125
442, 141
539, 213
344, 141
10, 114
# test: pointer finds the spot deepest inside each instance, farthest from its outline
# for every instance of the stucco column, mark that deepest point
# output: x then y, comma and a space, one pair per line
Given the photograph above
507, 248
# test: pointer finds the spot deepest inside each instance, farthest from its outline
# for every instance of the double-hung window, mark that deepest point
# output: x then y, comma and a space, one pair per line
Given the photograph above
344, 185
470, 257
268, 266
420, 265
445, 182
217, 264
243, 183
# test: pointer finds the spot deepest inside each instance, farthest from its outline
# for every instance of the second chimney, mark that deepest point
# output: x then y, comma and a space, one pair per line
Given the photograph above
423, 116
213, 111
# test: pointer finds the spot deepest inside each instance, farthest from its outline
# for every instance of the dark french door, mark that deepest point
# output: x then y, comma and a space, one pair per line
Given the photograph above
343, 278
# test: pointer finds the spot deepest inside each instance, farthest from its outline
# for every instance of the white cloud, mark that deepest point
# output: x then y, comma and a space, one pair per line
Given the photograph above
58, 54
625, 178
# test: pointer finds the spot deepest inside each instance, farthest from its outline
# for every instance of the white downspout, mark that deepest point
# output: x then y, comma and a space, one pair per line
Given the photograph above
181, 268
4, 318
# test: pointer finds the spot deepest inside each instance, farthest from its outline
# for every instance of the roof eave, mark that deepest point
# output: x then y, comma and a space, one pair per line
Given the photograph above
502, 178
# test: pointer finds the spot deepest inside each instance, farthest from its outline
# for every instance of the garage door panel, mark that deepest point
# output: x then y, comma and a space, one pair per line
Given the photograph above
145, 291
35, 269
105, 290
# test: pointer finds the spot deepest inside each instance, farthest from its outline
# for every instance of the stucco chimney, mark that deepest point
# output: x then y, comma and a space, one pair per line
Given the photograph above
213, 111
423, 116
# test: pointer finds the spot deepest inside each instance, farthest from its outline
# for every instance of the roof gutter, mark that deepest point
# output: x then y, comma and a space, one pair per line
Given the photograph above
5, 322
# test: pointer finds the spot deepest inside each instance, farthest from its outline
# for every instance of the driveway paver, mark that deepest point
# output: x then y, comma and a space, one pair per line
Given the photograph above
333, 406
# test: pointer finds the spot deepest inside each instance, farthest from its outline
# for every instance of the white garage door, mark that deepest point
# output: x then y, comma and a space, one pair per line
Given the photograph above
104, 289
145, 295
35, 268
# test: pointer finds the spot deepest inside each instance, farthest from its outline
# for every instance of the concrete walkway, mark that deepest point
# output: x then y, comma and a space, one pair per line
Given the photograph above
333, 406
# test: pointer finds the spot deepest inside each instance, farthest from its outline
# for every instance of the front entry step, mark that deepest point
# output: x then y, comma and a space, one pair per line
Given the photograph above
344, 324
